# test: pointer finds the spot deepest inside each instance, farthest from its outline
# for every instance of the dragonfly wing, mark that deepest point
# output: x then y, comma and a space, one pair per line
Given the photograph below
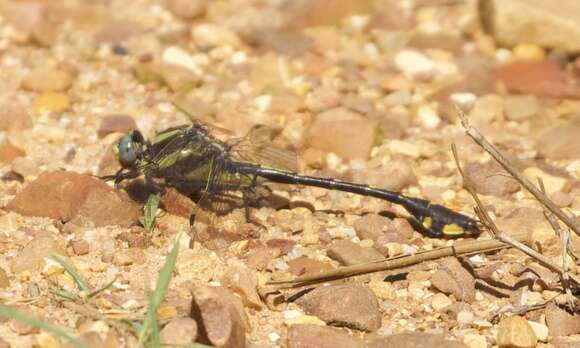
257, 147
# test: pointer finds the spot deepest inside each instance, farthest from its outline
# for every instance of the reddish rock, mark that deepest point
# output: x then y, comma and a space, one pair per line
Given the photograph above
317, 336
77, 198
260, 257
117, 32
137, 238
176, 203
285, 245
349, 253
24, 15
80, 246
116, 124
560, 142
179, 331
9, 152
33, 256
14, 116
243, 282
351, 305
343, 132
220, 317
453, 278
372, 226
306, 266
415, 340
395, 177
544, 79
20, 327
490, 178
560, 322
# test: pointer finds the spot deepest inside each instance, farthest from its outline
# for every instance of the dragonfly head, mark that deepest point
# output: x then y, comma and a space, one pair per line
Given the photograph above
129, 148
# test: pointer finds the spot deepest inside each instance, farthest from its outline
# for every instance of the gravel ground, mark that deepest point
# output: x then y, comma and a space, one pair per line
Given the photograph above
363, 91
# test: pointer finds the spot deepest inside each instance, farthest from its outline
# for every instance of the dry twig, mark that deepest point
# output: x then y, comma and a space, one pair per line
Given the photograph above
475, 247
539, 195
484, 216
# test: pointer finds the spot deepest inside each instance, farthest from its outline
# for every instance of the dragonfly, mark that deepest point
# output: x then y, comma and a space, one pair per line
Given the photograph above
192, 156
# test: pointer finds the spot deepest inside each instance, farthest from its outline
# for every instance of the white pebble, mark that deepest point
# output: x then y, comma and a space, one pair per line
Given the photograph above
177, 56
428, 117
413, 63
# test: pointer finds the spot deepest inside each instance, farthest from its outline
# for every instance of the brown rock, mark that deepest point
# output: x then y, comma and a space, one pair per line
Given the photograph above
90, 338
220, 317
4, 280
322, 98
187, 9
24, 15
46, 79
452, 278
415, 340
9, 152
560, 142
14, 116
137, 238
317, 336
176, 203
122, 258
77, 198
318, 13
383, 230
515, 332
397, 176
372, 226
243, 282
259, 258
306, 266
529, 222
343, 132
560, 322
509, 21
349, 253
80, 246
21, 327
179, 331
521, 107
32, 256
117, 31
490, 179
116, 124
544, 79
352, 305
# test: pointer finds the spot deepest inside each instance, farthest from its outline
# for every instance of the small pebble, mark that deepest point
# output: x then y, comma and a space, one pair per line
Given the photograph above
475, 341
47, 80
516, 332
528, 52
50, 102
414, 63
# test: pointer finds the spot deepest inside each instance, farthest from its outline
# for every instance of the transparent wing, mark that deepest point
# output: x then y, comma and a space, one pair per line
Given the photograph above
257, 147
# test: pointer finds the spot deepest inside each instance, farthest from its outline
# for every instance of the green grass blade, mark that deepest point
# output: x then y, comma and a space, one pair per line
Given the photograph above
67, 295
98, 291
150, 329
57, 330
150, 211
73, 273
